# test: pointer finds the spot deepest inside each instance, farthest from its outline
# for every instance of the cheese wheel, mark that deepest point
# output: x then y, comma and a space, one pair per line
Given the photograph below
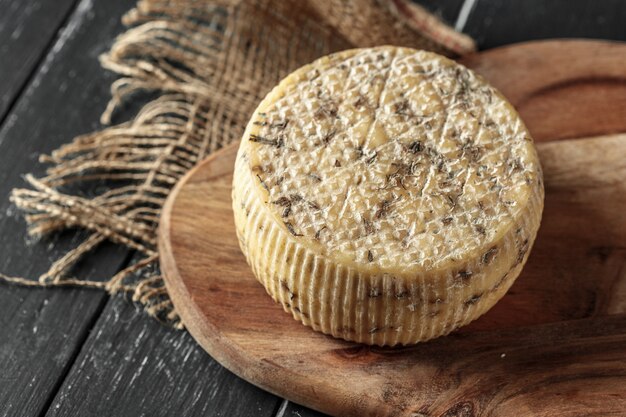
386, 195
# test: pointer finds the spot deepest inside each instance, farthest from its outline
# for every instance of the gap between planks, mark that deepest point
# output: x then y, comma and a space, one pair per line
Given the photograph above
466, 9
70, 363
39, 62
16, 124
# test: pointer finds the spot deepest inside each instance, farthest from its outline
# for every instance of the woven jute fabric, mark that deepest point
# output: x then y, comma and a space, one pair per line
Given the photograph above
209, 62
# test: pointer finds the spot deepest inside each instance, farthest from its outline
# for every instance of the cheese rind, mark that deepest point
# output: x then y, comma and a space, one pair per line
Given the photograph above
386, 195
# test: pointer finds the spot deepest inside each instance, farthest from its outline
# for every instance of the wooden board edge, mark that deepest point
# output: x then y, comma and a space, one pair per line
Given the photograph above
206, 335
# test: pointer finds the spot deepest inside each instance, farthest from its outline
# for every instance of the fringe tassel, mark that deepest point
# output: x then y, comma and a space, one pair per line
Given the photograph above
210, 62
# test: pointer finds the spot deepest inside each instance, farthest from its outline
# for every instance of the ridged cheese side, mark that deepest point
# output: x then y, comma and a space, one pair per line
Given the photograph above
372, 304
378, 309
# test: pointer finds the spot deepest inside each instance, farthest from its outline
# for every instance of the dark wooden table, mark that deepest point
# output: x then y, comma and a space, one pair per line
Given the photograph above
78, 352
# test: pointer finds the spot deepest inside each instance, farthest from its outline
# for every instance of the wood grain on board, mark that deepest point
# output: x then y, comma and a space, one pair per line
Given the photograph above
44, 330
554, 345
562, 89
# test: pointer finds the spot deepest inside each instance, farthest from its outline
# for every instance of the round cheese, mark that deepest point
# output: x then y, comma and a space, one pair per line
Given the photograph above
386, 195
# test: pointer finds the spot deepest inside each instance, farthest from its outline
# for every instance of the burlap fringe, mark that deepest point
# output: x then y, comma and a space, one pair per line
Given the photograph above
211, 62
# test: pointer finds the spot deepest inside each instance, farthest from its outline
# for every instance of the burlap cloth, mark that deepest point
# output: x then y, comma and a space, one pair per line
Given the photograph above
210, 62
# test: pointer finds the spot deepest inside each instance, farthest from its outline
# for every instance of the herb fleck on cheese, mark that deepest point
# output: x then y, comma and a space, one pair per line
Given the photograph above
403, 152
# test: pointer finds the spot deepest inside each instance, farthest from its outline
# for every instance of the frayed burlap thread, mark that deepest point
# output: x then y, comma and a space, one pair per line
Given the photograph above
210, 63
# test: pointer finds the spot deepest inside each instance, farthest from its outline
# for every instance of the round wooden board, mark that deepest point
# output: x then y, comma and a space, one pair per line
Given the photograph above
554, 345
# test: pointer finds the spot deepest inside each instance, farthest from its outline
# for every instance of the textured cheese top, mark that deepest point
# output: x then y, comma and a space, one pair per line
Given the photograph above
393, 159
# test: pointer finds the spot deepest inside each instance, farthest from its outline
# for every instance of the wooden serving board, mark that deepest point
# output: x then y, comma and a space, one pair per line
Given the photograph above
555, 345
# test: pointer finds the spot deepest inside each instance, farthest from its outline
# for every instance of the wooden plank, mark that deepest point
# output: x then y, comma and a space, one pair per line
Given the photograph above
27, 326
27, 28
133, 366
42, 330
289, 409
46, 329
446, 10
495, 22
